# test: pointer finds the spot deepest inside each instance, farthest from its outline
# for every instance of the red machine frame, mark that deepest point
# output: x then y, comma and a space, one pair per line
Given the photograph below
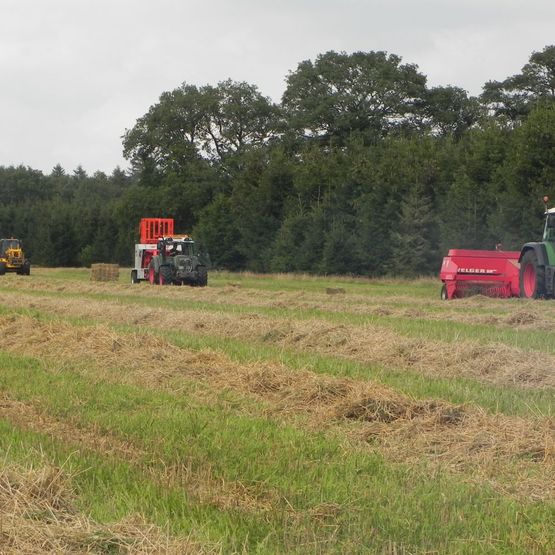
151, 229
492, 273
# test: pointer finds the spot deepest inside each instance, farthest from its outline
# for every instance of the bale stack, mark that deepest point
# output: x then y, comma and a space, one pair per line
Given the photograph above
104, 272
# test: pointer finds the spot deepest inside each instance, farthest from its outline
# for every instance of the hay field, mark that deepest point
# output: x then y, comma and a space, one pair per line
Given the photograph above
273, 414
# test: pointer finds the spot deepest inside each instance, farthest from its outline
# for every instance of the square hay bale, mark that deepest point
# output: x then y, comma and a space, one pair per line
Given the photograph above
335, 290
104, 272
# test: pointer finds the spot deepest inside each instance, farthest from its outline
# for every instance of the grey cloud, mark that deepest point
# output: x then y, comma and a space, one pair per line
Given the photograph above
75, 74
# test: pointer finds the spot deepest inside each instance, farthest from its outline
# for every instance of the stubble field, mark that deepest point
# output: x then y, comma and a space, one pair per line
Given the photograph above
273, 414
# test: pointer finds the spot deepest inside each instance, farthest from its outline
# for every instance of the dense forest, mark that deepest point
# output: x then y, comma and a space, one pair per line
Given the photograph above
361, 169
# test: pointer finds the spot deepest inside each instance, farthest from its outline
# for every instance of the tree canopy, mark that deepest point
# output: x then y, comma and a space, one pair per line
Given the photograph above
368, 93
361, 168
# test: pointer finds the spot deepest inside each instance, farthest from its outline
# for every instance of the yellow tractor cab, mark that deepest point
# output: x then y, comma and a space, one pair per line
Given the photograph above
12, 258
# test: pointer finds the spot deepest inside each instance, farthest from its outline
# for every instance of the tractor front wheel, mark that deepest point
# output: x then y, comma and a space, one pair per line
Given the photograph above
2, 268
532, 277
202, 276
165, 275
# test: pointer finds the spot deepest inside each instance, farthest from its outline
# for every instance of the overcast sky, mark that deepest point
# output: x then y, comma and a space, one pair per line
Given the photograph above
74, 74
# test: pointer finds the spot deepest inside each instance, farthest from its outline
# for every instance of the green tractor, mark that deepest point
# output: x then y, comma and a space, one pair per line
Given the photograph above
537, 262
177, 262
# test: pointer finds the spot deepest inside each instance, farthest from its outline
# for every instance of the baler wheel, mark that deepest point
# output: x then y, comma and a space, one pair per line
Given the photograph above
134, 278
532, 277
443, 294
152, 277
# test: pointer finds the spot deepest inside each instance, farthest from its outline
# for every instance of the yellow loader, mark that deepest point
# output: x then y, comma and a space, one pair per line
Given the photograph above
12, 258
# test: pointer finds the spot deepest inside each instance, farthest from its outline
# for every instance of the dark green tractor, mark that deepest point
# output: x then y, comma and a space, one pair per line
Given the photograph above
177, 262
537, 263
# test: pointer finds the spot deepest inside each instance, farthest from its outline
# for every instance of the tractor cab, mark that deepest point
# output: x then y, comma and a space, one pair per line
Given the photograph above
549, 228
8, 246
176, 246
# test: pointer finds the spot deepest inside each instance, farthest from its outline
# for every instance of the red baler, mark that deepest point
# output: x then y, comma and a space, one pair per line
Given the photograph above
492, 273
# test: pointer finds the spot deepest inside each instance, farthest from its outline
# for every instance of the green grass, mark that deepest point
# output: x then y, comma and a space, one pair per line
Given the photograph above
494, 398
286, 282
318, 284
513, 401
428, 329
370, 503
323, 495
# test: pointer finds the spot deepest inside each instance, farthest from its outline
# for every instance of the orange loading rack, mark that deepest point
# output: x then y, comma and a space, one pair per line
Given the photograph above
153, 228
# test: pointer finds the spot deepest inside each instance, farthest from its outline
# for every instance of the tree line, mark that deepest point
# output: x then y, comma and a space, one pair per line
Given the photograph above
360, 169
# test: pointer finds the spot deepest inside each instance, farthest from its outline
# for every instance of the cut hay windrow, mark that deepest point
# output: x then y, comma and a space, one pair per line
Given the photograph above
494, 363
27, 416
473, 310
39, 515
199, 483
493, 448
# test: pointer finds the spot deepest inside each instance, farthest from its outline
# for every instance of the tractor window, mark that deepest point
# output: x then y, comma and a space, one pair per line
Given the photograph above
11, 244
6, 244
188, 249
550, 228
185, 249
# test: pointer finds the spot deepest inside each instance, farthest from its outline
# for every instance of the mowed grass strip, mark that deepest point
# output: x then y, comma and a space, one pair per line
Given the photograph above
161, 486
524, 327
402, 298
357, 308
513, 454
333, 499
421, 369
275, 282
40, 513
395, 298
110, 491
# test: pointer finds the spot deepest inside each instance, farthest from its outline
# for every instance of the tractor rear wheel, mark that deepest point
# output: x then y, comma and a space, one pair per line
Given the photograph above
532, 277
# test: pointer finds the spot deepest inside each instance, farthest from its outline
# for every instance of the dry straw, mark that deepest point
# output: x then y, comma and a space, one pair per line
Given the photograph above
494, 363
200, 483
463, 438
38, 515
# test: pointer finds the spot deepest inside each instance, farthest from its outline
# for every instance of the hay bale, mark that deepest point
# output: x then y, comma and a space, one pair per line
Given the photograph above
335, 290
104, 272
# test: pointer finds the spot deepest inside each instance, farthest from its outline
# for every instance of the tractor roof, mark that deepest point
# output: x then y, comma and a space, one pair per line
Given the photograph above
178, 238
